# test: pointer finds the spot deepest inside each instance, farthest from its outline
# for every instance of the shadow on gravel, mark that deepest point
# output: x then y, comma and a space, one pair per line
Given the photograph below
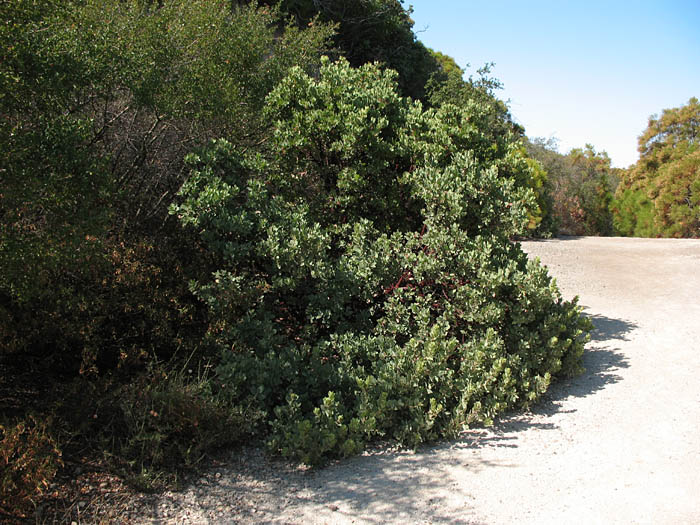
400, 487
607, 328
384, 486
390, 486
602, 360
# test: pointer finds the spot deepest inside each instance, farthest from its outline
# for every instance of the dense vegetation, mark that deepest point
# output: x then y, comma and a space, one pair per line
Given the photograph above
228, 222
580, 188
660, 195
366, 283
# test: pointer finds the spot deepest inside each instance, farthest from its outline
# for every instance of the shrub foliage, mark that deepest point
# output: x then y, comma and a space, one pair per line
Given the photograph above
337, 267
367, 286
101, 102
29, 459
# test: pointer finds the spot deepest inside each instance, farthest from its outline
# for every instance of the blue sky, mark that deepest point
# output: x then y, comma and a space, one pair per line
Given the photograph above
582, 72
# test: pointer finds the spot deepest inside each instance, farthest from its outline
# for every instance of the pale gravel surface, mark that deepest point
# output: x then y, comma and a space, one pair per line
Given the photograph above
619, 444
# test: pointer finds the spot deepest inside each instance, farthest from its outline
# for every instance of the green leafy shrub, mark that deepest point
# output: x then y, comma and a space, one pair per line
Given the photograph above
367, 286
491, 117
101, 101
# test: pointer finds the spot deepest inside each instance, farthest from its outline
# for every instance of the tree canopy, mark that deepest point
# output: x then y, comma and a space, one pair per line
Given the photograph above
371, 31
660, 195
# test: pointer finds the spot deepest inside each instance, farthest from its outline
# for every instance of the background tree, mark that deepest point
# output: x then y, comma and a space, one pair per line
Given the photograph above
660, 194
372, 31
582, 183
593, 183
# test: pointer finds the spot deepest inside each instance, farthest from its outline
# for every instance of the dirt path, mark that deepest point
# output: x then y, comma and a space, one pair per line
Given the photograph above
620, 444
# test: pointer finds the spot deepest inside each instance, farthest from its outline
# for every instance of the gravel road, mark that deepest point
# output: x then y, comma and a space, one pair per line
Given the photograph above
619, 444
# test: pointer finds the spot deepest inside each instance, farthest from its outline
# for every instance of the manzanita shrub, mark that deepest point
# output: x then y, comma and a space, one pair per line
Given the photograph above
367, 286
